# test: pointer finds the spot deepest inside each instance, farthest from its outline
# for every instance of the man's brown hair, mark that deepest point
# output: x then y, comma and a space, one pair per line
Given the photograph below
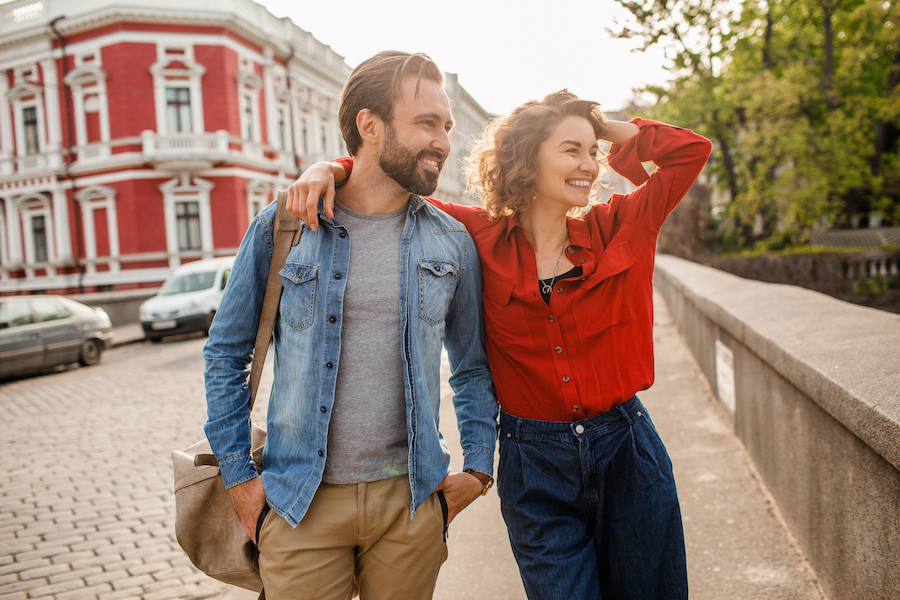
375, 84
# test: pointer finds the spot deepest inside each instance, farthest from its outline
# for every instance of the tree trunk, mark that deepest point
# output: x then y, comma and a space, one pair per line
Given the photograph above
727, 160
828, 77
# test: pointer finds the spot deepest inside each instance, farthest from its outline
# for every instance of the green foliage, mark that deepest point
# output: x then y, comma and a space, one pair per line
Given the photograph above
875, 285
801, 99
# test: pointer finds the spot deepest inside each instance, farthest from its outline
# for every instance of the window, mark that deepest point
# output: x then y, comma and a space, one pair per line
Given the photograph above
324, 139
39, 238
30, 125
190, 282
256, 206
305, 134
187, 215
248, 117
50, 310
225, 277
15, 314
178, 110
282, 141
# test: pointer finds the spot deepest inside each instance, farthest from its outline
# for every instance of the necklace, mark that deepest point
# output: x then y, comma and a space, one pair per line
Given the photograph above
545, 287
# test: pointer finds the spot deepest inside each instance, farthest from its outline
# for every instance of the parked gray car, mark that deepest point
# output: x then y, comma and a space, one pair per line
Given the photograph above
38, 332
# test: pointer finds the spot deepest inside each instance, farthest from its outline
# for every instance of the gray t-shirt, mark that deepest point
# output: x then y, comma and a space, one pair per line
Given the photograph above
367, 438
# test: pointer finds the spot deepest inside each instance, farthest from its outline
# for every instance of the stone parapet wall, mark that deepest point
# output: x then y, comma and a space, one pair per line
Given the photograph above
812, 385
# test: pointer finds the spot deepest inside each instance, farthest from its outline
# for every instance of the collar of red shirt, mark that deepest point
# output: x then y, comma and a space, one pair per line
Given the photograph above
579, 235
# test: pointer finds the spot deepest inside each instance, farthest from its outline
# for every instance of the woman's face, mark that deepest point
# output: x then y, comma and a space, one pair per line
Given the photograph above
567, 165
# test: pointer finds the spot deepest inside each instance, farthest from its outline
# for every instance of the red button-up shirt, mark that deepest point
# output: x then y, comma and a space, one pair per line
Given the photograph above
591, 349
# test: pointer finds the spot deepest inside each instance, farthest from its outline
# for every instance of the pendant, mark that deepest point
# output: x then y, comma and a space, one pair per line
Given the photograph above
546, 288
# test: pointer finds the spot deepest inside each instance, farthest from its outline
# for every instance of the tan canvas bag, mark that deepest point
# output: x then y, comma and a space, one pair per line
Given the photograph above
206, 526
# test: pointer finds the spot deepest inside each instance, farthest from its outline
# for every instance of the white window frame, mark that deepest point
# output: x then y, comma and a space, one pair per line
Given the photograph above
248, 88
257, 191
96, 198
32, 98
30, 207
89, 79
165, 76
187, 189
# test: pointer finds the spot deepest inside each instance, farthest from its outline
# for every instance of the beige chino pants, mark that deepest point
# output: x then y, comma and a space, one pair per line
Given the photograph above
355, 533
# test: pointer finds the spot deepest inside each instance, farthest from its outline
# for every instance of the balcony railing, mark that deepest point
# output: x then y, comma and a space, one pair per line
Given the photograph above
185, 146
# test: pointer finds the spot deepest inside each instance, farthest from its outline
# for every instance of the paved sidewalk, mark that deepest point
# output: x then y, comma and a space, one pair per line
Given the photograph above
86, 507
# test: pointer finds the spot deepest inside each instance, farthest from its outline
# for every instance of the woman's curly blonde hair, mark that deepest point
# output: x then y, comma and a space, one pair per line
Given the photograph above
503, 163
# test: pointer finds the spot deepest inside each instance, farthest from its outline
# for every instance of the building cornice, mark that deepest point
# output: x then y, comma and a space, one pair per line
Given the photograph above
321, 59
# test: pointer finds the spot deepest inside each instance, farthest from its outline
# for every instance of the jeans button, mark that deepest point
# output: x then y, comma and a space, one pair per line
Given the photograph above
579, 429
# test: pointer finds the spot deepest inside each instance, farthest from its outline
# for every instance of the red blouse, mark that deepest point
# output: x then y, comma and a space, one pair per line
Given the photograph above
592, 347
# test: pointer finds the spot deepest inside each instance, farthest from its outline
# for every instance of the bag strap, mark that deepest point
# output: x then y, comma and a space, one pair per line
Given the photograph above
287, 234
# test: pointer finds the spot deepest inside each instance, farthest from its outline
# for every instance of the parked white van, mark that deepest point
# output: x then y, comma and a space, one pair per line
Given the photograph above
188, 299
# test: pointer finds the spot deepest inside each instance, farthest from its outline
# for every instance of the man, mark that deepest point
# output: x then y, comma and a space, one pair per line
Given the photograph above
356, 470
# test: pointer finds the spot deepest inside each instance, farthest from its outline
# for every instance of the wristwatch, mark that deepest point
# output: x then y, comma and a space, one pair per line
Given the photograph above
486, 480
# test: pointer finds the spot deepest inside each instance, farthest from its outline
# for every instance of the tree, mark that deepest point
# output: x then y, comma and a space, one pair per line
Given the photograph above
801, 97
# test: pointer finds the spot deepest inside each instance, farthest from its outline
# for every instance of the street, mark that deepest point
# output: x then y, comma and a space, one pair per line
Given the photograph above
87, 510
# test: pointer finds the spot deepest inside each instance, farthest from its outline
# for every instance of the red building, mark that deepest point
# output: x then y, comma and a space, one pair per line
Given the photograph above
134, 139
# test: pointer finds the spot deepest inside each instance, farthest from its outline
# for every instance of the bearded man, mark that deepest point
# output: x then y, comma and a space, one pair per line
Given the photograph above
357, 492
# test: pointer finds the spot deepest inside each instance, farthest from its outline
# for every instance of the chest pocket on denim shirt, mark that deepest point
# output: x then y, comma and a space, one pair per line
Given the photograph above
299, 296
437, 284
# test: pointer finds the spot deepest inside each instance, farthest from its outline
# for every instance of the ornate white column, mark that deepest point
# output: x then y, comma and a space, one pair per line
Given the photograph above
112, 226
6, 140
90, 235
13, 228
53, 112
63, 242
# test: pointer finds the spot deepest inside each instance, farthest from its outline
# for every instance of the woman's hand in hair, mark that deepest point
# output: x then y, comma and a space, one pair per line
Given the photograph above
619, 132
316, 182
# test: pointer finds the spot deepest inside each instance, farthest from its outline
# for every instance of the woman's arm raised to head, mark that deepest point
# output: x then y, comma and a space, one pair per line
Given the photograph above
619, 132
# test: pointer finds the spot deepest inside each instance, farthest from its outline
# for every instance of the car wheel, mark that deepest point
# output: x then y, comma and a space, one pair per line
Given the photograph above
209, 321
90, 353
156, 340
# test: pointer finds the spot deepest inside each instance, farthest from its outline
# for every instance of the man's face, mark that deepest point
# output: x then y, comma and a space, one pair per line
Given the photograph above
416, 143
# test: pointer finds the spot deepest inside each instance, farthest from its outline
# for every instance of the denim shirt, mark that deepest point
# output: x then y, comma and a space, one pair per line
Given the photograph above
440, 302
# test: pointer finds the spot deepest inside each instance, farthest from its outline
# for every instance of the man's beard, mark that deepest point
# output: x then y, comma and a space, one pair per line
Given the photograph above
400, 164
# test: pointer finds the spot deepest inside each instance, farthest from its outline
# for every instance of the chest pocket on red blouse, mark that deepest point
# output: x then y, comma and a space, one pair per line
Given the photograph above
504, 321
604, 301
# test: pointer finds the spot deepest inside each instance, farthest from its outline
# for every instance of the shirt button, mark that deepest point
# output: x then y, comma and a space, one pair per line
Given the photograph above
329, 365
558, 349
584, 260
579, 429
570, 250
331, 319
343, 235
551, 318
322, 408
321, 453
337, 275
558, 290
574, 409
566, 378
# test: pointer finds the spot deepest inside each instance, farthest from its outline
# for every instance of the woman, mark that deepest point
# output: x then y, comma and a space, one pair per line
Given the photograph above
585, 483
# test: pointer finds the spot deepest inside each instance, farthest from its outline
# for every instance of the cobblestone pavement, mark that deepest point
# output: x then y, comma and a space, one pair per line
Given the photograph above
86, 503
87, 510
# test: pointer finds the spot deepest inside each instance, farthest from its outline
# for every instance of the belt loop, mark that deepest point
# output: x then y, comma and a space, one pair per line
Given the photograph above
518, 427
624, 413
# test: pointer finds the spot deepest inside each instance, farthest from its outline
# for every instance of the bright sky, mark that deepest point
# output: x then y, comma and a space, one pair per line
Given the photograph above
504, 51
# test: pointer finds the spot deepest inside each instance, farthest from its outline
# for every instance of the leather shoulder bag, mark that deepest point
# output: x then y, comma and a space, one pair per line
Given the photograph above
206, 526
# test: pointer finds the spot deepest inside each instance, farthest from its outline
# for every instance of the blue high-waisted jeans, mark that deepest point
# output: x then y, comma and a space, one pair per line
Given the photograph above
591, 507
